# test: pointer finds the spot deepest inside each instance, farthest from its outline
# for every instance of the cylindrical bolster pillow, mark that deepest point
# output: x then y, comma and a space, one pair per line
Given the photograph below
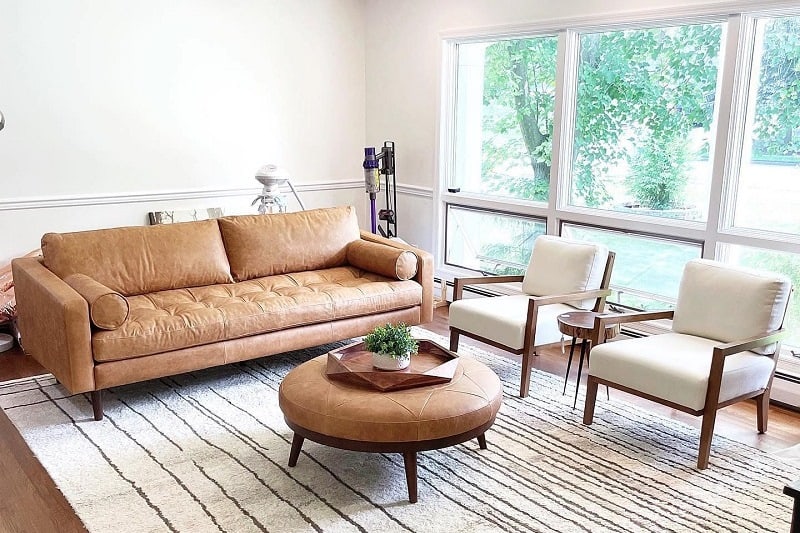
107, 309
381, 259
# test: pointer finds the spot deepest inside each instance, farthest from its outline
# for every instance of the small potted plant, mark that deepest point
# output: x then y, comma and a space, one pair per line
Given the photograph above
391, 346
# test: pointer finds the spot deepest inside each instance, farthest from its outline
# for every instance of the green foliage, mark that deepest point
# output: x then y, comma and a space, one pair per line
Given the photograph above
659, 172
393, 340
519, 92
632, 83
777, 122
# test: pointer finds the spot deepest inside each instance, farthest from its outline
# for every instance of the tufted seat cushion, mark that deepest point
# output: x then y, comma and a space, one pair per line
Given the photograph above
175, 319
341, 410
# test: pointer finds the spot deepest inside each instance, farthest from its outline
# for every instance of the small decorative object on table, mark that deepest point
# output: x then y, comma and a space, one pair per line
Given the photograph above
391, 346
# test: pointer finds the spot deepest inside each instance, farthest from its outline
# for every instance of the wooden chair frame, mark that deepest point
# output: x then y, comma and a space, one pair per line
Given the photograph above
712, 403
529, 348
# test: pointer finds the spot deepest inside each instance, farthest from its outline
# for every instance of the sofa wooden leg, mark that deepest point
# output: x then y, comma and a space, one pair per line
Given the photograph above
97, 404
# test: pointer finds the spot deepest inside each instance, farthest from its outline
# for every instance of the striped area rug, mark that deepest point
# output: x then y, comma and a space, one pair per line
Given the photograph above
207, 451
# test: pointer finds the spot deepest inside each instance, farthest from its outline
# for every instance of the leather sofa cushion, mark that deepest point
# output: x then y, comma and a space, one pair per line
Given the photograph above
381, 259
268, 245
175, 319
107, 309
141, 259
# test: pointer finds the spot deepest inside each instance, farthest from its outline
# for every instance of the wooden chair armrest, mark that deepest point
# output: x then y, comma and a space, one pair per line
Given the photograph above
601, 322
724, 350
570, 297
731, 348
459, 283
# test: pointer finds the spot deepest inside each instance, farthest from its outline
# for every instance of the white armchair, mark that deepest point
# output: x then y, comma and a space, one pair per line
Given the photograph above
722, 348
562, 275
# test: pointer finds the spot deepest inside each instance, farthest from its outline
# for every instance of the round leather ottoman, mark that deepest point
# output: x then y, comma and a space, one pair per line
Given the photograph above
407, 421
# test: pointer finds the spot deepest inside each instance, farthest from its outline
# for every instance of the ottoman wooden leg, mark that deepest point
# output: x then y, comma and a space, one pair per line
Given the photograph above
297, 443
410, 462
482, 441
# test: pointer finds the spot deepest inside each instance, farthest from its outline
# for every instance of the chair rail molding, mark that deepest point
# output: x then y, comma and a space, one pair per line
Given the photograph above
44, 202
414, 190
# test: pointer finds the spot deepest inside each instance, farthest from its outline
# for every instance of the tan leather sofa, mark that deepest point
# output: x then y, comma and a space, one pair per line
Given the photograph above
115, 306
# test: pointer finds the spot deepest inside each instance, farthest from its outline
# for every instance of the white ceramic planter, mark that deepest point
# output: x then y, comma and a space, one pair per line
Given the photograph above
387, 362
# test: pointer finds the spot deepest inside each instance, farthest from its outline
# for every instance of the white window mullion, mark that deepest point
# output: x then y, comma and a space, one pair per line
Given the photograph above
563, 125
730, 122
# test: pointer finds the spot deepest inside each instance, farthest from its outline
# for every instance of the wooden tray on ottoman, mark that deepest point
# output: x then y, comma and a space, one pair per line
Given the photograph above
353, 364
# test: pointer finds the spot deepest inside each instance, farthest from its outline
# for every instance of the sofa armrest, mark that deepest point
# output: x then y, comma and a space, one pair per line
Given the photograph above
424, 275
54, 322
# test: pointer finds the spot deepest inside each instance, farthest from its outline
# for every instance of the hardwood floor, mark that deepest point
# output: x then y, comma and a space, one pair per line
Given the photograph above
30, 501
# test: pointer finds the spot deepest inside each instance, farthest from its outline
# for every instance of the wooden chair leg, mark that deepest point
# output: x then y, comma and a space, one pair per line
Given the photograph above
591, 396
706, 434
525, 380
454, 335
97, 404
762, 411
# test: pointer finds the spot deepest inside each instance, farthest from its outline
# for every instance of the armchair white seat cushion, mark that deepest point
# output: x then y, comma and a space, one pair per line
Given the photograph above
676, 367
564, 266
502, 319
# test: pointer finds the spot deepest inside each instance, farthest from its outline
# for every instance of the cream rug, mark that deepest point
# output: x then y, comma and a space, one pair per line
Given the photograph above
207, 451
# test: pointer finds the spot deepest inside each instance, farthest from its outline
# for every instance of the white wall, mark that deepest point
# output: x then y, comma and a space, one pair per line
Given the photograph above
403, 53
109, 101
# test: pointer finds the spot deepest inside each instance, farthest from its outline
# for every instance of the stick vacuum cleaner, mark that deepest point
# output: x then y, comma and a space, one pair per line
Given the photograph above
376, 165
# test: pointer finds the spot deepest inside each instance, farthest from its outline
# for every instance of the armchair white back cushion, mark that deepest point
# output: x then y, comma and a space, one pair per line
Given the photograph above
725, 303
562, 266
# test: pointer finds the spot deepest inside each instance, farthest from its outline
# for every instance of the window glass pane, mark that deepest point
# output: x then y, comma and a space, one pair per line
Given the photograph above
504, 117
768, 195
490, 242
645, 104
647, 270
782, 262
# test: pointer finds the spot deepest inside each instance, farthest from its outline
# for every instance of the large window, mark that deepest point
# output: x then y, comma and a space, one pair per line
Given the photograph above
647, 270
768, 192
493, 243
644, 110
505, 100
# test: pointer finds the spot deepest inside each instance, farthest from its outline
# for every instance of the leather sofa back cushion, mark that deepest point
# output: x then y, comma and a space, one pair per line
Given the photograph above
381, 259
269, 245
107, 309
141, 259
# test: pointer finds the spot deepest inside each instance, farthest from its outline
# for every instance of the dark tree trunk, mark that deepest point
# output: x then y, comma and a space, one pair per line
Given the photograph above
527, 112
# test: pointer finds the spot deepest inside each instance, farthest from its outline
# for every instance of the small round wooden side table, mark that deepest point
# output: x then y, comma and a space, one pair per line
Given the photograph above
580, 325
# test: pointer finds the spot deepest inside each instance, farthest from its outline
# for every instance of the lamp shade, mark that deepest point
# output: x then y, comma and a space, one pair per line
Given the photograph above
272, 175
